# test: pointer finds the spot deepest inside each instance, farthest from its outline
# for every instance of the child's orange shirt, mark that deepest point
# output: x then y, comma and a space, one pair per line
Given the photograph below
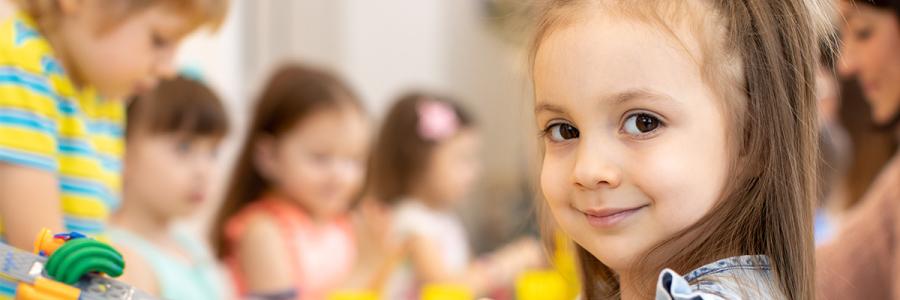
322, 254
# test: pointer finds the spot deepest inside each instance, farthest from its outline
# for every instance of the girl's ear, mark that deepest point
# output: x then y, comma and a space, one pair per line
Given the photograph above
68, 7
265, 159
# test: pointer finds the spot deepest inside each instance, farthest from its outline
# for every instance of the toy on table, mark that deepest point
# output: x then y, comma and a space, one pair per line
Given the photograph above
541, 285
446, 292
558, 283
67, 267
565, 264
353, 295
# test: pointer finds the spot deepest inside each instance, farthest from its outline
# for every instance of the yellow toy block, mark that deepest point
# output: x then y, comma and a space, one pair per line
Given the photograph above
353, 295
446, 292
541, 285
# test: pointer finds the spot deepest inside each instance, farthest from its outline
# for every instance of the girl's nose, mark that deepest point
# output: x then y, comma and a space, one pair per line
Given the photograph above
594, 170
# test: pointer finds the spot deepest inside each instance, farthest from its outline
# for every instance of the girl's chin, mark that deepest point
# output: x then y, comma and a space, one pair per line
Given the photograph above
620, 251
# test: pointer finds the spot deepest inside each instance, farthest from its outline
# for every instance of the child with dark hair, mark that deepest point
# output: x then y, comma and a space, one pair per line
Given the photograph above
285, 228
172, 136
424, 163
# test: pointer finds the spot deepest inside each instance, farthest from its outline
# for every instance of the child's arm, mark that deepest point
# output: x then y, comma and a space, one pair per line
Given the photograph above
428, 262
429, 267
378, 255
480, 276
507, 262
265, 265
29, 201
29, 167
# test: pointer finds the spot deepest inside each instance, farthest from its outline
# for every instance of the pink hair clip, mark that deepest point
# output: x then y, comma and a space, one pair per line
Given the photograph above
437, 120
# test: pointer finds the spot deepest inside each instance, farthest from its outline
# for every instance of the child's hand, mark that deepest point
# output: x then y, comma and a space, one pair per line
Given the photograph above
376, 219
81, 256
381, 252
518, 256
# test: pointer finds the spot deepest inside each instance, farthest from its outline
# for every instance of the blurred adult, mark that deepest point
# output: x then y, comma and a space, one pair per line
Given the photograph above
863, 260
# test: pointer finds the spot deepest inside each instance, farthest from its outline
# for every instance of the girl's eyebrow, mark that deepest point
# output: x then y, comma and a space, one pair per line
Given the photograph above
638, 93
619, 98
542, 107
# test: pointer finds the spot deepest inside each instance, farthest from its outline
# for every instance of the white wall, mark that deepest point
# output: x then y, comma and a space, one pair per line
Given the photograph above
381, 47
390, 46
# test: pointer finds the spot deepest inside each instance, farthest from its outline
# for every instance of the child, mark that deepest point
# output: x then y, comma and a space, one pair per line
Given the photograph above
173, 134
284, 228
680, 138
424, 163
65, 65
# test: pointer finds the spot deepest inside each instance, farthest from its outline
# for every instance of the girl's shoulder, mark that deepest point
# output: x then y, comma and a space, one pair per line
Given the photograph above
263, 212
740, 277
23, 47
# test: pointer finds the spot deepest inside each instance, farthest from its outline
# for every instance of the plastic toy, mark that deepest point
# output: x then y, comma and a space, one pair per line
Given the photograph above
565, 265
541, 285
67, 267
353, 295
446, 292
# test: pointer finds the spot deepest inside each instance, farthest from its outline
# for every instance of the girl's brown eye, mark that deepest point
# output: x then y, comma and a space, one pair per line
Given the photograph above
562, 132
641, 123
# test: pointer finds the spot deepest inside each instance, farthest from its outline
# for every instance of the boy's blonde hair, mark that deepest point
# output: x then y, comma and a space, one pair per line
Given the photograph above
201, 12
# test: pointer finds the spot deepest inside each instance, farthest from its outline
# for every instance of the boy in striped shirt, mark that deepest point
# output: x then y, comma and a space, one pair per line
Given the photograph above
65, 65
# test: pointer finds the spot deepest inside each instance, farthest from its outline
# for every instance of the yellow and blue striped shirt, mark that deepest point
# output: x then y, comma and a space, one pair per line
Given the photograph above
48, 123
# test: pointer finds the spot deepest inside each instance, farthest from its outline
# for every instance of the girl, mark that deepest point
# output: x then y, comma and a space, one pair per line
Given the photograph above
424, 162
680, 138
174, 130
284, 229
861, 260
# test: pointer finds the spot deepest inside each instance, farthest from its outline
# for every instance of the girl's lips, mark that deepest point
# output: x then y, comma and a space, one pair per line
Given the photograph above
609, 217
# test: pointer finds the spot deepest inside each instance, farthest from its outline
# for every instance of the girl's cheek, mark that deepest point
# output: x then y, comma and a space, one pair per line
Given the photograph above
553, 181
684, 180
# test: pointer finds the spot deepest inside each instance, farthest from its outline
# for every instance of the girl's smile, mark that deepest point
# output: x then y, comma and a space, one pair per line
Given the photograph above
610, 217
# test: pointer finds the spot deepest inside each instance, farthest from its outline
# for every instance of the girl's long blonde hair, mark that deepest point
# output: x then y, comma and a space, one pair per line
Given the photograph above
760, 58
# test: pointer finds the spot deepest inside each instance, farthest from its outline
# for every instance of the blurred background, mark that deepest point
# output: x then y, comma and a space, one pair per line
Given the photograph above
472, 50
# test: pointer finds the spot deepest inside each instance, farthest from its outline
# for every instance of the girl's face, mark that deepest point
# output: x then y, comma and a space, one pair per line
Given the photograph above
871, 37
452, 169
119, 57
635, 140
169, 174
320, 162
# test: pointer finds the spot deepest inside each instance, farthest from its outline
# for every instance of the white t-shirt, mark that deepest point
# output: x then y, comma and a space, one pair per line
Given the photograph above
442, 228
